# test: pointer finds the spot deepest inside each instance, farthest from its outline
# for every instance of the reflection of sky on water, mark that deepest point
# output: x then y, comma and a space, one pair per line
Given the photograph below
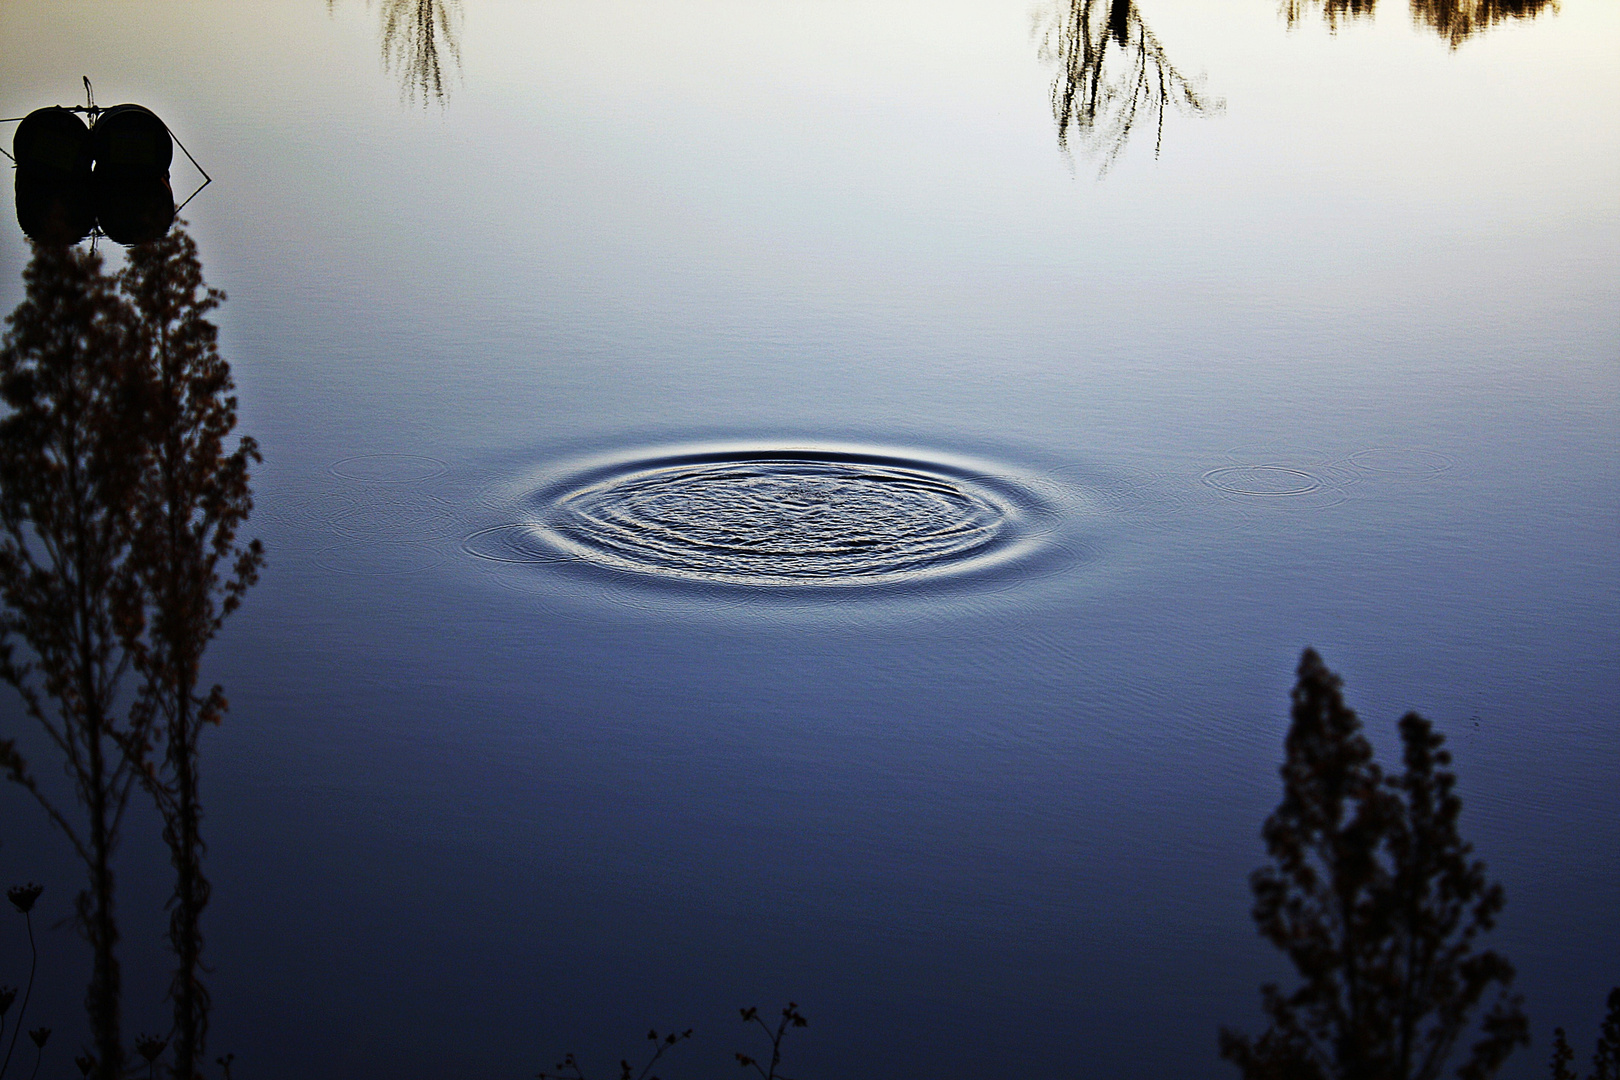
1336, 367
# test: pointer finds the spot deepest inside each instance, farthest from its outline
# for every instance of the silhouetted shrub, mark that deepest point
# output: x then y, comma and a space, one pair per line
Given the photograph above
1374, 898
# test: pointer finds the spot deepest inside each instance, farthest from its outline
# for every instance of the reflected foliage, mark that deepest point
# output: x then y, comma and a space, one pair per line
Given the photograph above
1605, 1058
418, 38
122, 488
70, 454
1376, 900
192, 572
1112, 75
1458, 20
1454, 20
1335, 13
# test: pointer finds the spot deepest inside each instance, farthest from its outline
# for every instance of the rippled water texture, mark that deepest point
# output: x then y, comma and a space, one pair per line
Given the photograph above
774, 518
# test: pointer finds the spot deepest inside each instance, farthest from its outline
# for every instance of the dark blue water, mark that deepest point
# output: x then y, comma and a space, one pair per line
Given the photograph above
751, 518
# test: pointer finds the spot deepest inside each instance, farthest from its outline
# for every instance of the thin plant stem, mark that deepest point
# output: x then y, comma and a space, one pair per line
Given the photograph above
22, 1010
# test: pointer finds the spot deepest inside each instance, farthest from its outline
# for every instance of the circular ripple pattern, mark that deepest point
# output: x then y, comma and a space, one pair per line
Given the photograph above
1262, 480
775, 518
1402, 463
388, 468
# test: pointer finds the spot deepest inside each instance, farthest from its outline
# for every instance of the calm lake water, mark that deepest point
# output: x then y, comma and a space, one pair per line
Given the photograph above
757, 511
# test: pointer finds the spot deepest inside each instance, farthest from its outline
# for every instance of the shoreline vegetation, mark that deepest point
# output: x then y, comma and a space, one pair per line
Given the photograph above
123, 491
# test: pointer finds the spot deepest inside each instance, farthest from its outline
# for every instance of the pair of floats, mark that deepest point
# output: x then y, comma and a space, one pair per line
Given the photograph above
111, 173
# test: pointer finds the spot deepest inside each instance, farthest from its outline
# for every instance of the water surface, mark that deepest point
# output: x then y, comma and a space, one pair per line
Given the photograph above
779, 501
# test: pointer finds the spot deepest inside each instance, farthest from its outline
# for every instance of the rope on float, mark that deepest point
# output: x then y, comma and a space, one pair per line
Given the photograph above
11, 120
206, 178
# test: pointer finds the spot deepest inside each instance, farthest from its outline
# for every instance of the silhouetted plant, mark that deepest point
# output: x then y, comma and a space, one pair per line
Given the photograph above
1374, 898
70, 465
191, 571
8, 995
22, 898
1562, 1057
791, 1017
121, 496
150, 1048
661, 1043
1605, 1058
39, 1036
1101, 93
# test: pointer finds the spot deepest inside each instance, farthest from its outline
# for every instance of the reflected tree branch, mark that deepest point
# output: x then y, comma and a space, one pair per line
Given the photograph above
1112, 75
416, 37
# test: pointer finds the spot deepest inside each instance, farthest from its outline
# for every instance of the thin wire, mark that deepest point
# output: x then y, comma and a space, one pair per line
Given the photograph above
11, 120
206, 178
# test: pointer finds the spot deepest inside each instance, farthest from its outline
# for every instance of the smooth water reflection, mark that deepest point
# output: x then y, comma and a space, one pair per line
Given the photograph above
1336, 368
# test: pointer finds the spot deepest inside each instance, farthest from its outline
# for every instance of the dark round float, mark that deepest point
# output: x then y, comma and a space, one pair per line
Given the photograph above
53, 140
131, 139
113, 173
55, 197
133, 149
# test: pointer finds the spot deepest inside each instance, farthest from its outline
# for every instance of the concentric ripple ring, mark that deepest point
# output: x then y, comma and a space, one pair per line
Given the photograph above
781, 517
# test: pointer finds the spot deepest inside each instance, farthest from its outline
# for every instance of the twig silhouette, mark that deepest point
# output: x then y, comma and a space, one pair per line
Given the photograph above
22, 898
151, 1047
661, 1043
791, 1017
39, 1036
